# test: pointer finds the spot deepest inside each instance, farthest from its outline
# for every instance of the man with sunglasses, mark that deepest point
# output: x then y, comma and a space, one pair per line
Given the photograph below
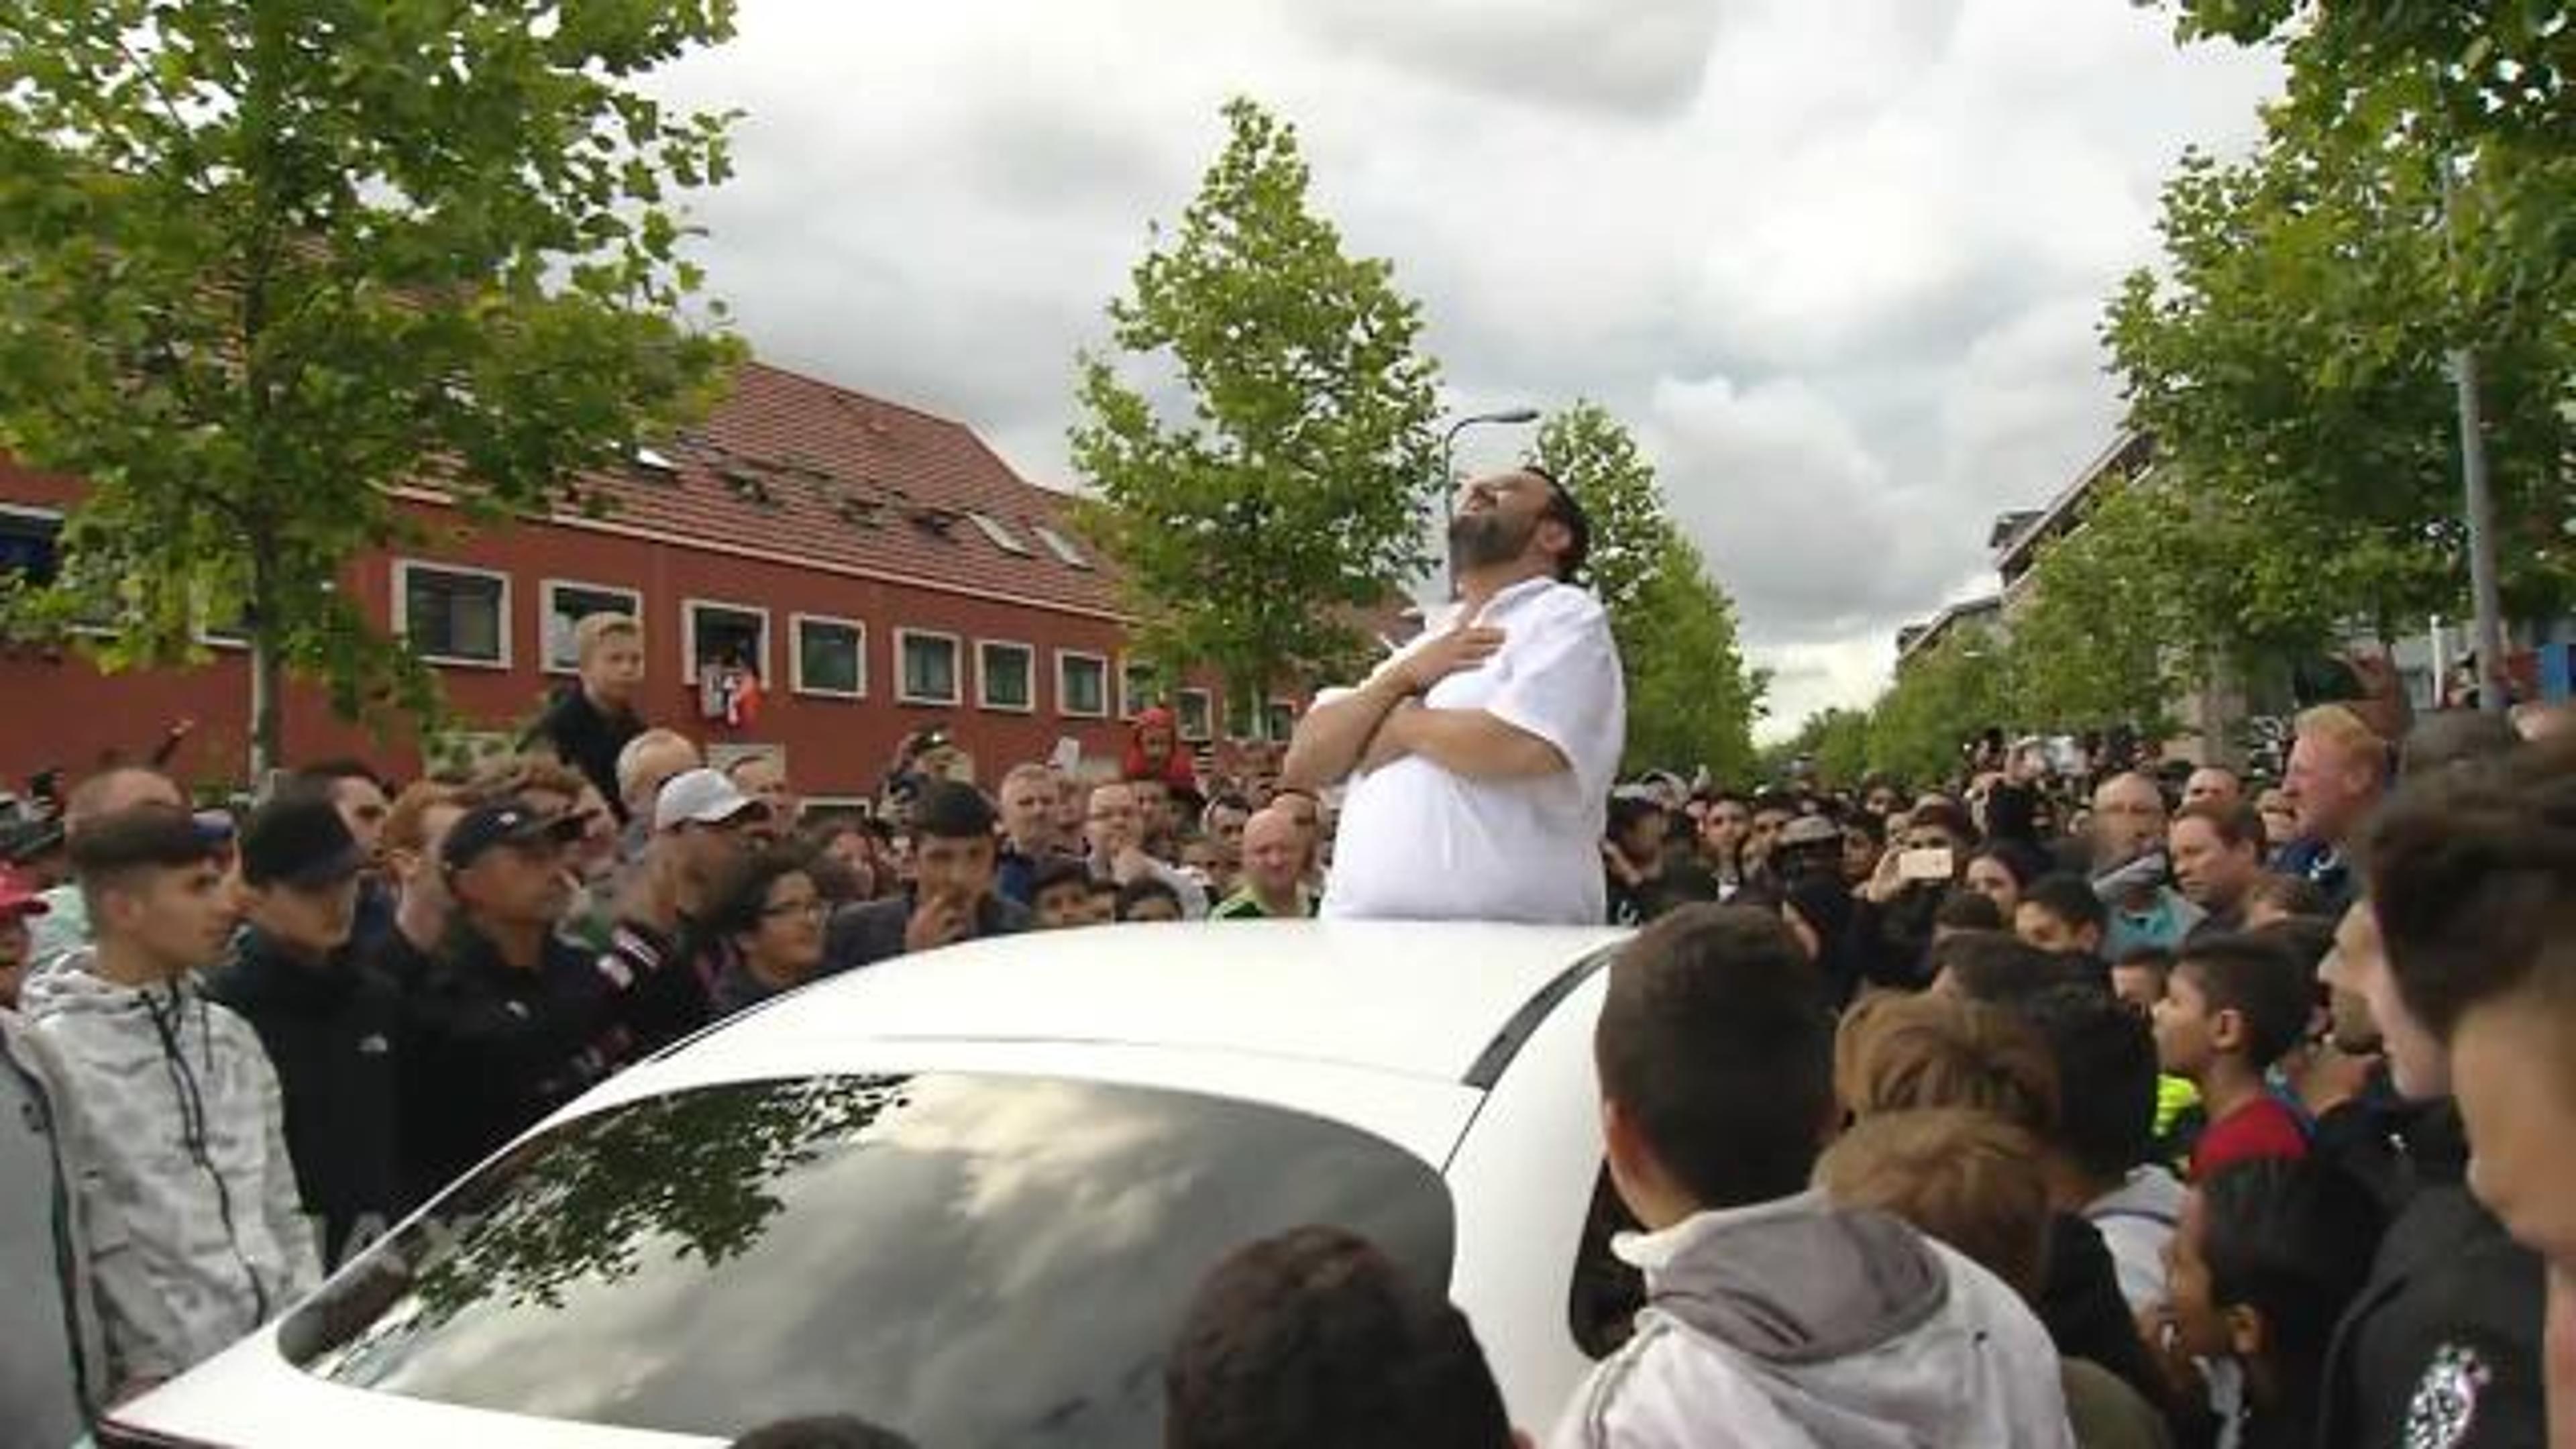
1480, 757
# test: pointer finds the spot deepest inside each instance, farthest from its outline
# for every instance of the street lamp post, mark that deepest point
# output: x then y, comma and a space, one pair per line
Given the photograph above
1448, 470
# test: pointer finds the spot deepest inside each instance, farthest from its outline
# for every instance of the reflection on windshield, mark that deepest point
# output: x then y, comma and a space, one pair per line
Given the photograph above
967, 1259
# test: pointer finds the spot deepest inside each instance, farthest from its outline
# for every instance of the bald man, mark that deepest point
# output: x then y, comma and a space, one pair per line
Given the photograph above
1275, 847
2128, 827
64, 928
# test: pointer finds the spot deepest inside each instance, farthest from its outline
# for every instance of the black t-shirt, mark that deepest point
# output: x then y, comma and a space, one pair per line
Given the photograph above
587, 738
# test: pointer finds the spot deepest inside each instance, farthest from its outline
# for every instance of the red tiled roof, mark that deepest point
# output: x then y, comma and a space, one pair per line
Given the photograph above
795, 467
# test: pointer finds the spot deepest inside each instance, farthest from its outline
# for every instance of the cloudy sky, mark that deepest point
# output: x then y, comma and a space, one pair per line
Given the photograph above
1838, 262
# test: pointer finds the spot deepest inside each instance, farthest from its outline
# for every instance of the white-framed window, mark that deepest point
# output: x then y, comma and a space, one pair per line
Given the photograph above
1138, 688
831, 657
998, 533
564, 603
1195, 715
1059, 545
453, 615
715, 632
925, 667
1006, 676
1279, 720
1081, 684
1242, 716
30, 544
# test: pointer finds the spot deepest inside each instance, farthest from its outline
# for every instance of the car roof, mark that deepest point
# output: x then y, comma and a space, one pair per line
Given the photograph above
1420, 999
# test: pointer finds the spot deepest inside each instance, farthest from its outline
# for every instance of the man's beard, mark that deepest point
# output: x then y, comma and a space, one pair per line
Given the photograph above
1481, 540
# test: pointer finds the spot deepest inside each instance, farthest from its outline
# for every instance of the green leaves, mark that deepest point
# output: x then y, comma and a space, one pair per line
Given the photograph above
1292, 494
263, 262
1691, 700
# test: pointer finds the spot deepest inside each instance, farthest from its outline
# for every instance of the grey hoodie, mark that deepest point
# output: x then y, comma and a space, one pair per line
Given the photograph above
1796, 1325
196, 1233
52, 1358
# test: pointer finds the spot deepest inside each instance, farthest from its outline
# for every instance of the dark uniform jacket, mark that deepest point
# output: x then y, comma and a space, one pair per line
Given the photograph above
586, 738
2442, 1348
332, 1031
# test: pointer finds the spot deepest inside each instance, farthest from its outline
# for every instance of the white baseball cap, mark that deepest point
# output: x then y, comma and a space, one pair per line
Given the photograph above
701, 797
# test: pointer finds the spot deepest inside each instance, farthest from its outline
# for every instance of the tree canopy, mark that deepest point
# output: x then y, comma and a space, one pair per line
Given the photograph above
266, 262
1293, 493
1691, 698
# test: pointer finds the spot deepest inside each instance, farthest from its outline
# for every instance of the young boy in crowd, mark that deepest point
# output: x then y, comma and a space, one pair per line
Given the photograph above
2268, 1255
1977, 1183
180, 1104
1774, 1318
2140, 979
1060, 894
2061, 914
2234, 1007
1316, 1337
2106, 1075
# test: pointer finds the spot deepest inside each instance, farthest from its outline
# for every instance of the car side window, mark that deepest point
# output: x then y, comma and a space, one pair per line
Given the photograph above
1607, 1291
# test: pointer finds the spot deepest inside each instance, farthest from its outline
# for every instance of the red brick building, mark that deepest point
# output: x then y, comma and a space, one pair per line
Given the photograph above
875, 568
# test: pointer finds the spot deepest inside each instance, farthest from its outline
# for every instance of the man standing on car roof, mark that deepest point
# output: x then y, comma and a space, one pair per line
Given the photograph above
1480, 756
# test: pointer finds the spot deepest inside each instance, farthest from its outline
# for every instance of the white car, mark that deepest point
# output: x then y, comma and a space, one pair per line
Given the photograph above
967, 1196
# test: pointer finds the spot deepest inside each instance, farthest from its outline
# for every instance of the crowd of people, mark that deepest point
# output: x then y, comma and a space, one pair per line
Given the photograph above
2056, 1105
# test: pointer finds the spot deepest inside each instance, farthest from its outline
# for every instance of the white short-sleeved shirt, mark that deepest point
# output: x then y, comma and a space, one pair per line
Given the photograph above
1419, 843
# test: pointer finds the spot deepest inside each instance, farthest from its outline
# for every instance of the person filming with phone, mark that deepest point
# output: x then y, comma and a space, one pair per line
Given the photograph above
1892, 919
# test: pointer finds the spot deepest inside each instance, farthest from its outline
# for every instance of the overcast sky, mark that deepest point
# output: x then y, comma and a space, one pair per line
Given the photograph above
1839, 262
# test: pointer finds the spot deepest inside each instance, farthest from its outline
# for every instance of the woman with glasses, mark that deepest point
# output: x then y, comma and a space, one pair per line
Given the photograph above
768, 930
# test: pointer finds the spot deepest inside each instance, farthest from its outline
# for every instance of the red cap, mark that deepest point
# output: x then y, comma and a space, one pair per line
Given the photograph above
18, 896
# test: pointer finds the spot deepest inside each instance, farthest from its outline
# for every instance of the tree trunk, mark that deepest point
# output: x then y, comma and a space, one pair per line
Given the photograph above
267, 710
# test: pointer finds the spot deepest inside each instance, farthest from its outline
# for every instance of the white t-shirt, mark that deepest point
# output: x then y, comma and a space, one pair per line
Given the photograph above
1419, 843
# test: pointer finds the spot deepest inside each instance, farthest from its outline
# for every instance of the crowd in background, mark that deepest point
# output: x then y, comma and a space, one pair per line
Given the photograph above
2107, 1105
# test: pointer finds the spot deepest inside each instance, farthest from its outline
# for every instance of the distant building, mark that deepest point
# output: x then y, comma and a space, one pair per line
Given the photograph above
1915, 640
875, 569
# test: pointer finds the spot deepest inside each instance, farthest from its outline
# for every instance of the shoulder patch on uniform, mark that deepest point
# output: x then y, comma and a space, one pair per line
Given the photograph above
2444, 1407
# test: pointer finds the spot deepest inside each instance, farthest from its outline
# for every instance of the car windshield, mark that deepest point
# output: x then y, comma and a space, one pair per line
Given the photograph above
964, 1259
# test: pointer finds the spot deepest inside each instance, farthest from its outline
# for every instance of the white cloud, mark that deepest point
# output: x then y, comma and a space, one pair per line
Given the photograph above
1840, 265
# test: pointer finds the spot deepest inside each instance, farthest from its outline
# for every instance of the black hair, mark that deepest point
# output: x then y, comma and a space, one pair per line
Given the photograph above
2106, 1075
742, 898
2070, 898
1142, 889
2292, 1240
948, 810
2472, 872
1626, 811
1316, 1337
1715, 1041
2260, 981
822, 1431
1967, 910
326, 773
113, 847
2158, 959
2022, 862
1949, 818
1994, 967
1567, 509
2306, 939
1058, 871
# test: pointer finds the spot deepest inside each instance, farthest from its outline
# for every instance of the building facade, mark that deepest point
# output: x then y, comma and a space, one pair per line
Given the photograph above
818, 572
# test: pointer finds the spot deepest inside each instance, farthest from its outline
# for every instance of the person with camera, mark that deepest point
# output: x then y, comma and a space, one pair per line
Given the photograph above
1892, 919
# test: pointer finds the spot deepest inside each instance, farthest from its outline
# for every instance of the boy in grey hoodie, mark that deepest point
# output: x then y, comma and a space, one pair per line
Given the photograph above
1772, 1318
196, 1233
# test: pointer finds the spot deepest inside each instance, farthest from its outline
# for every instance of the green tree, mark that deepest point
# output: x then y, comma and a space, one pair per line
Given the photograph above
2414, 194
1691, 699
266, 261
2102, 640
1834, 739
1940, 699
1249, 535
